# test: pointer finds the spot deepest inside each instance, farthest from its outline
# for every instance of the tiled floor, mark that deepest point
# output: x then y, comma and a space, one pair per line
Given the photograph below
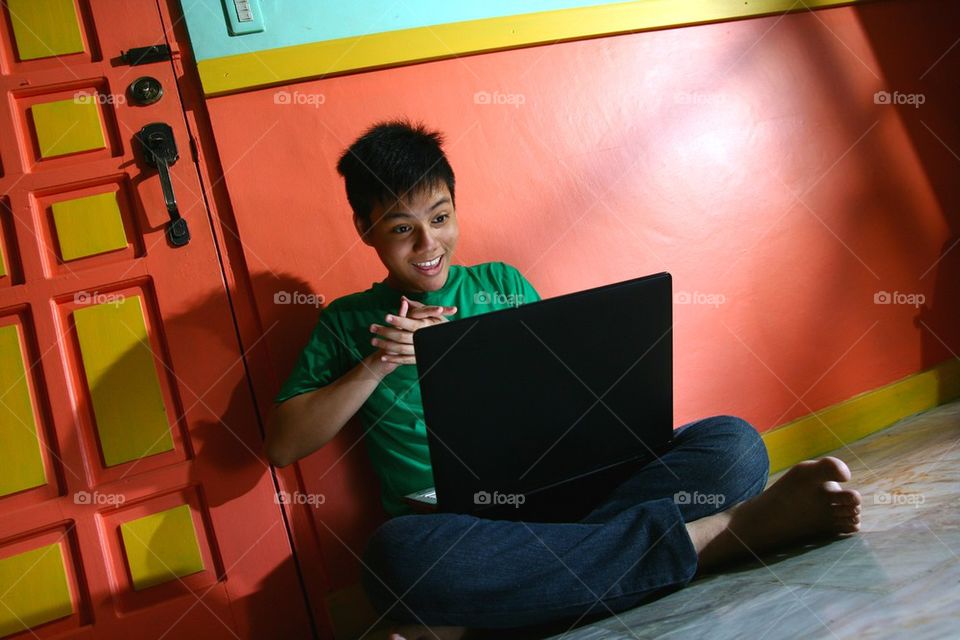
899, 578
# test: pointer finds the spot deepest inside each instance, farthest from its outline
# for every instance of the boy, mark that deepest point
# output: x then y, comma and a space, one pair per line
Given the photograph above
442, 573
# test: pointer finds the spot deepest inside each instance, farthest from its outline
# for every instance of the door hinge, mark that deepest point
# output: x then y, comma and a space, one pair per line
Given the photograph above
143, 55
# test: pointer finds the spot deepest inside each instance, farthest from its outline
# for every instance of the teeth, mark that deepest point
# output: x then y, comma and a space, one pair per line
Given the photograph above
429, 265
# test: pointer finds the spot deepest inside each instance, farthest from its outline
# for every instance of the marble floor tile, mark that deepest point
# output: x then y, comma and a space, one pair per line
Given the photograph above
899, 577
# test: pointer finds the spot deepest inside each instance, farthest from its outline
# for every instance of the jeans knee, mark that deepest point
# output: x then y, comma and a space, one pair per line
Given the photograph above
383, 563
744, 452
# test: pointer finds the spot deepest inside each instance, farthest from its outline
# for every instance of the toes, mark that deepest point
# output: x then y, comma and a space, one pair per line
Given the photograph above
833, 469
847, 520
847, 524
842, 511
847, 517
841, 496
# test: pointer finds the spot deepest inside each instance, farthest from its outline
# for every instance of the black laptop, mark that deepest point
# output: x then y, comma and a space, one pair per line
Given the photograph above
538, 412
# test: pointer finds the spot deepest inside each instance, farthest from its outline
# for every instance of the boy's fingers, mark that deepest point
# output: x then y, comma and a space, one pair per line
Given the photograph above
394, 348
414, 322
404, 307
400, 359
391, 333
431, 312
416, 309
407, 324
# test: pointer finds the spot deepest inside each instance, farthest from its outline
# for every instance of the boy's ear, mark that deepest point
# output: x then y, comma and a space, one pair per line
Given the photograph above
362, 228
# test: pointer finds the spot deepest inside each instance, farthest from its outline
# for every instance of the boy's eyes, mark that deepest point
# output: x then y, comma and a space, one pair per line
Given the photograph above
402, 228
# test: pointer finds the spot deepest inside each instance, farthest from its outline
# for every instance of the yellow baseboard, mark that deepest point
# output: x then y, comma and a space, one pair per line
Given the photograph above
861, 415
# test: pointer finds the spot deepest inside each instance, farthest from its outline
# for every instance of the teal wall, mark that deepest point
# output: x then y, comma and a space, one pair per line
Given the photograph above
291, 22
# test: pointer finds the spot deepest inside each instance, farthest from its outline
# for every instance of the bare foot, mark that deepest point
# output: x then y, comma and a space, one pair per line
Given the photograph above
805, 503
418, 632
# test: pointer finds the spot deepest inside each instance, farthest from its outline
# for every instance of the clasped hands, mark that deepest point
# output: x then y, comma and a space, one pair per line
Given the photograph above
395, 339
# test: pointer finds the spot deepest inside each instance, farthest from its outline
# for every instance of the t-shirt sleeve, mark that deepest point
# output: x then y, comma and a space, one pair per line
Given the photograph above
323, 359
520, 285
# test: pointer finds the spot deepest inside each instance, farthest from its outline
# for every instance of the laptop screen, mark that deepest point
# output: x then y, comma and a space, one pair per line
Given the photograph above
522, 399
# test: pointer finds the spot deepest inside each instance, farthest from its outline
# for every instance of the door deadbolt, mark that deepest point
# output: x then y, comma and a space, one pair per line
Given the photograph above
145, 90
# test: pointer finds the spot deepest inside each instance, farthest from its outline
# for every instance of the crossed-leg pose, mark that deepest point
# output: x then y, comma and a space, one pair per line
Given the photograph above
454, 572
438, 575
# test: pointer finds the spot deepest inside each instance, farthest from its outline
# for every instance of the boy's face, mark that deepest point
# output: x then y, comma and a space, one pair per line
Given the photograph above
418, 229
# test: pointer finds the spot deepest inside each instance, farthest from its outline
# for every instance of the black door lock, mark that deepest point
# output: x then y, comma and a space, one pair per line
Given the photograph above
145, 90
160, 151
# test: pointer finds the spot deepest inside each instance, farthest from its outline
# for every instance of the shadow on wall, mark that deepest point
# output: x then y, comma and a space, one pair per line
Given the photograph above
330, 536
340, 470
934, 133
937, 320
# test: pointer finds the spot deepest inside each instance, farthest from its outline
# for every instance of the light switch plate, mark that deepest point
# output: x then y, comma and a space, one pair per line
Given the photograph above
243, 16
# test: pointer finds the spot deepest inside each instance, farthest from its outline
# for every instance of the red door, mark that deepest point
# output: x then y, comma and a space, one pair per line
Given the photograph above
133, 495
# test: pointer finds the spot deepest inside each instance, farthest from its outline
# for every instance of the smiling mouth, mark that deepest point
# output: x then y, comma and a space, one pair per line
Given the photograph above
429, 265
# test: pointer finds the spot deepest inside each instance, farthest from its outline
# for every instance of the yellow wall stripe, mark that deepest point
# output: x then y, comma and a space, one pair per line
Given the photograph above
45, 28
90, 225
122, 378
858, 417
161, 547
35, 589
286, 64
22, 463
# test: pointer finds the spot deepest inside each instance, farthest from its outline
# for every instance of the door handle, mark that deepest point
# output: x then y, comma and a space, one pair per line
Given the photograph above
160, 151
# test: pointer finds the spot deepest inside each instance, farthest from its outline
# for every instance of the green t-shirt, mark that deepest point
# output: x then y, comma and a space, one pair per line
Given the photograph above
392, 417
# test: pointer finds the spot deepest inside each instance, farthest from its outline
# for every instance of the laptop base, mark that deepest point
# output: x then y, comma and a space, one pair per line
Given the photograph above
568, 501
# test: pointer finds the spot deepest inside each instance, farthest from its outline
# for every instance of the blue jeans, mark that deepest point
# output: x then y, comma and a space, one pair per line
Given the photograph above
455, 569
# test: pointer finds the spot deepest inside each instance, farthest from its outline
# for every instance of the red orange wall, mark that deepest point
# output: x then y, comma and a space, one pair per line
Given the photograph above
747, 158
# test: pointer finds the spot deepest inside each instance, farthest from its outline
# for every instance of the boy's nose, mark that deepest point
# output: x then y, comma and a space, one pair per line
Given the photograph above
425, 240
